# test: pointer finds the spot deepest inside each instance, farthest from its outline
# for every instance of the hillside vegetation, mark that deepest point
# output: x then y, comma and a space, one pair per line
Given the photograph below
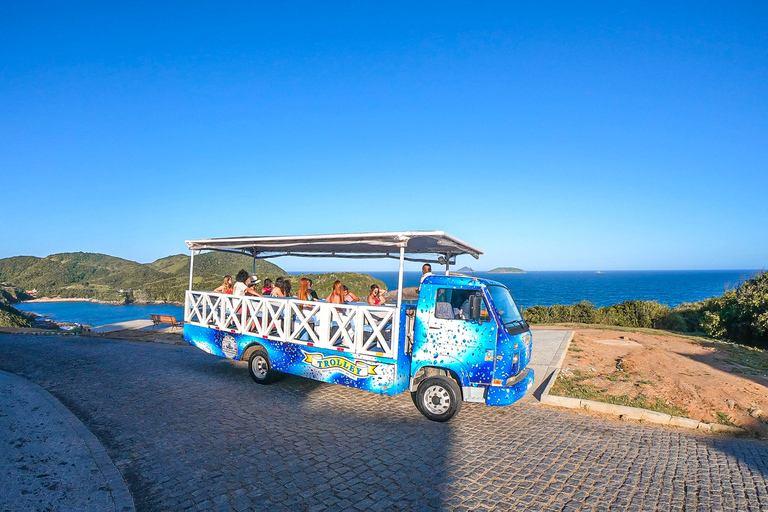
739, 315
103, 277
10, 316
107, 278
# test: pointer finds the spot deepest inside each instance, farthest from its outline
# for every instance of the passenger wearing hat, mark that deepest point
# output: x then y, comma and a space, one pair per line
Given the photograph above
252, 288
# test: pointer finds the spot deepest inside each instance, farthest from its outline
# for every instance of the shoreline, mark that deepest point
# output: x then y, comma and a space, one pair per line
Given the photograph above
42, 300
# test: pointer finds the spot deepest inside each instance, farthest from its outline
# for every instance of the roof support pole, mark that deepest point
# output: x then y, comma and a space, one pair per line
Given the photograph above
396, 318
400, 279
191, 267
447, 264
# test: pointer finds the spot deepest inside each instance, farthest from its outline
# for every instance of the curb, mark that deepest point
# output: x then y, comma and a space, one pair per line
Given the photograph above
631, 413
40, 332
118, 488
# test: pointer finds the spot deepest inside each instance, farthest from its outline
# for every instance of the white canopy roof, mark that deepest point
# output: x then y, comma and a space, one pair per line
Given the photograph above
346, 245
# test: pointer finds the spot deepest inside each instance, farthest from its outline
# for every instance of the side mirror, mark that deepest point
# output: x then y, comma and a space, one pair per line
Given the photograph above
475, 304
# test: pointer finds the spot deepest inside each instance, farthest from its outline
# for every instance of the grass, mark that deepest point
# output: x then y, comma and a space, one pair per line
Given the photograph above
746, 360
641, 330
647, 382
573, 386
723, 419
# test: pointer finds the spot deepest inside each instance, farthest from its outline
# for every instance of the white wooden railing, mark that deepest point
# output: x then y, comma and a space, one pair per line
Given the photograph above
357, 328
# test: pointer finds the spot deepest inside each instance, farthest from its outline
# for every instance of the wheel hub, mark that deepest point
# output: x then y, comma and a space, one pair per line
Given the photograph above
437, 400
259, 367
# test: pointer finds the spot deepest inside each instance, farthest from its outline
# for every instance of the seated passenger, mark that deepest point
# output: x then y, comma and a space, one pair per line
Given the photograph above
286, 288
267, 289
226, 286
252, 289
277, 291
337, 295
240, 285
304, 289
375, 296
312, 293
349, 296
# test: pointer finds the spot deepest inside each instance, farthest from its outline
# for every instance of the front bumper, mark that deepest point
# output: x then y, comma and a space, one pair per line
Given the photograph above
510, 394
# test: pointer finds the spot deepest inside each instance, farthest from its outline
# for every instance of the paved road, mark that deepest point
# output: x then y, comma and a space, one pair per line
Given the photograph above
188, 430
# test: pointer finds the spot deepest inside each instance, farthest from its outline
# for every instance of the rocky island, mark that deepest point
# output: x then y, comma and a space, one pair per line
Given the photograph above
507, 270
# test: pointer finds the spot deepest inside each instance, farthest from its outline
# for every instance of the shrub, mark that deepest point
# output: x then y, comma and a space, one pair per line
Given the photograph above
739, 315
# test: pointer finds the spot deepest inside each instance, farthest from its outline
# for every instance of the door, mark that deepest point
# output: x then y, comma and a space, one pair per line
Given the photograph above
454, 333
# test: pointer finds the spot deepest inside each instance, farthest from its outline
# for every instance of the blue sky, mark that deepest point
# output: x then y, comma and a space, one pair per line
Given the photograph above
554, 136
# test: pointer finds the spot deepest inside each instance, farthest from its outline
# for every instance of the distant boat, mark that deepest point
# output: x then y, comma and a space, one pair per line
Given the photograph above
599, 272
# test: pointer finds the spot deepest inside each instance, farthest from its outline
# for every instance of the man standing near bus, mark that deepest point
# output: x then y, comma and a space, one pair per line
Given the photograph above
426, 271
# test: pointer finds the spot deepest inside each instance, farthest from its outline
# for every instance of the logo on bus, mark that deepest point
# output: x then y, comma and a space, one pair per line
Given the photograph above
354, 369
229, 346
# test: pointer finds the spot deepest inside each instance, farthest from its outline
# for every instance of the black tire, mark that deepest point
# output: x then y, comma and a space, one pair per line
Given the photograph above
415, 398
260, 368
438, 398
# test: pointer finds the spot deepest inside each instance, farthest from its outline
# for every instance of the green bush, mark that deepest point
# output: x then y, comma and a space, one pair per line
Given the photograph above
739, 315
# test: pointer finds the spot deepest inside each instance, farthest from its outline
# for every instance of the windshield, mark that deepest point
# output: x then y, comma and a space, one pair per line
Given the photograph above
505, 305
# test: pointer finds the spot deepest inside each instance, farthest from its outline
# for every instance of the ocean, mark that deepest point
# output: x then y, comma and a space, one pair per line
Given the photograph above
530, 289
91, 313
605, 288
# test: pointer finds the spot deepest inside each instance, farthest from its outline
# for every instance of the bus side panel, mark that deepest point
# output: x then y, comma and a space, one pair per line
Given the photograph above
373, 374
207, 339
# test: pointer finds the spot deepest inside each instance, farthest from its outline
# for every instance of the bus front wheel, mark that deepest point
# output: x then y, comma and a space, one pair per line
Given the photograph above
260, 368
438, 398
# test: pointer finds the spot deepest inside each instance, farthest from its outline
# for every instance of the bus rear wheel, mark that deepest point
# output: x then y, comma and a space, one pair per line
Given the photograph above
438, 398
260, 368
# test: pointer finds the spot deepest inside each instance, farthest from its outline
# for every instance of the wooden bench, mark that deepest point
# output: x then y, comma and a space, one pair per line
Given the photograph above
164, 319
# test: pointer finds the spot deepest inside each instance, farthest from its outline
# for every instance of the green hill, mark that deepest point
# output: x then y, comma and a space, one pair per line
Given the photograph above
210, 269
103, 277
11, 267
77, 274
171, 264
227, 263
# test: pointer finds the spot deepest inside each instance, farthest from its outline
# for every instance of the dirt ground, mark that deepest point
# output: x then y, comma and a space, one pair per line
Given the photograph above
711, 381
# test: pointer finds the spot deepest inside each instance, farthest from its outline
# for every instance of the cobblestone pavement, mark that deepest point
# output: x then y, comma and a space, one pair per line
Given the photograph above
188, 430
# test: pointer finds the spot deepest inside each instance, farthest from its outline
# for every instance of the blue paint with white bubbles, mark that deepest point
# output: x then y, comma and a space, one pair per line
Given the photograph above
480, 353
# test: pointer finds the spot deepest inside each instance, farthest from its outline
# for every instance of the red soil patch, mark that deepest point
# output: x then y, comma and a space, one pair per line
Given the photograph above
704, 377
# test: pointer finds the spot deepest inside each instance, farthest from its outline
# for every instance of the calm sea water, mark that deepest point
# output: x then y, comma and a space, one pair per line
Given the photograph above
98, 314
547, 288
532, 288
